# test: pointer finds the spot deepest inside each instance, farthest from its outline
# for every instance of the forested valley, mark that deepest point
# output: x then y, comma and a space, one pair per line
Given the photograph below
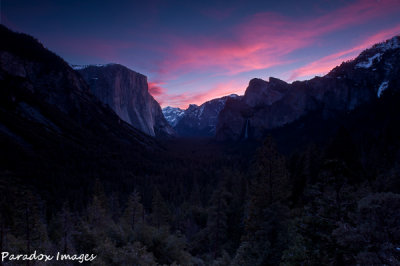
202, 202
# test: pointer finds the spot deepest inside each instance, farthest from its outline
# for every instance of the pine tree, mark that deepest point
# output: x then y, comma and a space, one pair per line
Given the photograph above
6, 217
372, 236
98, 192
63, 227
97, 227
161, 215
30, 224
217, 221
270, 184
270, 172
266, 220
134, 212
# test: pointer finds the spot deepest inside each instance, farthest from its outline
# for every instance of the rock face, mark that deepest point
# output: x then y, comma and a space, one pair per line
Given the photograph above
126, 92
45, 102
197, 120
261, 92
56, 137
272, 104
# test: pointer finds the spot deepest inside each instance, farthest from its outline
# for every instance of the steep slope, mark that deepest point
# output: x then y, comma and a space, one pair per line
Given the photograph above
54, 134
273, 104
126, 92
198, 120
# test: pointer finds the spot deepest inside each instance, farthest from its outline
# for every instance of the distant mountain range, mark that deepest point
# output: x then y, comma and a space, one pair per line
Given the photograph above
273, 104
266, 105
197, 120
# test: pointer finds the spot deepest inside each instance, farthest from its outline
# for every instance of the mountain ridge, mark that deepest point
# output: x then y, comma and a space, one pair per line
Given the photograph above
267, 105
265, 96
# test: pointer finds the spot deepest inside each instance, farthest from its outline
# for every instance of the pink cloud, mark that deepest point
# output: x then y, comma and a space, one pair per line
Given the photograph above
155, 88
234, 86
325, 64
157, 91
264, 40
182, 100
231, 56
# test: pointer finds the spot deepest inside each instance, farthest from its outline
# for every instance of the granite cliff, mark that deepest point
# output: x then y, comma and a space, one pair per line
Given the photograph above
126, 92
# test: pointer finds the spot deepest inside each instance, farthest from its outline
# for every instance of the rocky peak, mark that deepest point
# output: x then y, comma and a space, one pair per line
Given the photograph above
197, 120
260, 92
173, 115
277, 82
126, 92
192, 107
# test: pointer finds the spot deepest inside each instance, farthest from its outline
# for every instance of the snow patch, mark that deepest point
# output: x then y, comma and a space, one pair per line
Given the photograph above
381, 48
368, 64
382, 88
79, 67
393, 43
173, 115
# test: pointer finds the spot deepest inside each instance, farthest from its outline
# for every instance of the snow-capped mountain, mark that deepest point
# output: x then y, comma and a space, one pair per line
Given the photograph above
173, 115
271, 104
365, 60
197, 120
80, 67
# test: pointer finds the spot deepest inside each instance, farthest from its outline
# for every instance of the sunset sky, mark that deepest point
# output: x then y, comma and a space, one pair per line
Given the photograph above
193, 51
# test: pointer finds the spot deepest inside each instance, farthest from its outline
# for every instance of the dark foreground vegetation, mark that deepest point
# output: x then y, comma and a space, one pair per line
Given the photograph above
200, 202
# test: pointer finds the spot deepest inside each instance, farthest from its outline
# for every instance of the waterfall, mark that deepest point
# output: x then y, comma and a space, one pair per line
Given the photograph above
246, 130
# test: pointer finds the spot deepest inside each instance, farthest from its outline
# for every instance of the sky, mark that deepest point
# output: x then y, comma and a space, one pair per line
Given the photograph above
194, 51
